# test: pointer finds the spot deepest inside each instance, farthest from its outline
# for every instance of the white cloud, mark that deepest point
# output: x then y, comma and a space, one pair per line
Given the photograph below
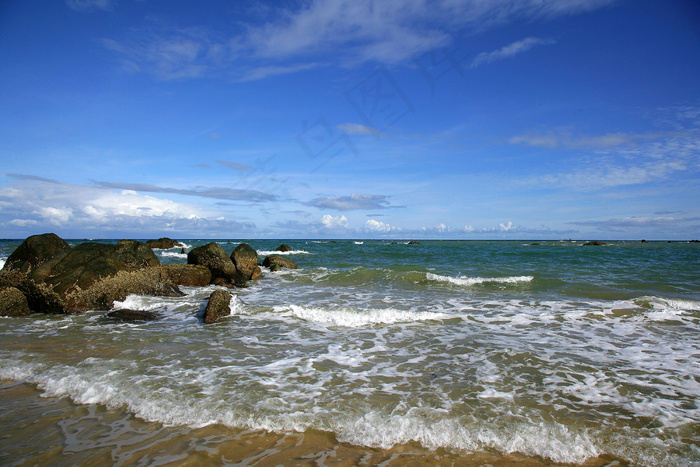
391, 32
334, 223
171, 53
333, 32
358, 129
508, 227
627, 224
23, 222
352, 202
508, 50
87, 5
437, 229
564, 138
373, 225
55, 216
231, 194
621, 159
79, 208
275, 70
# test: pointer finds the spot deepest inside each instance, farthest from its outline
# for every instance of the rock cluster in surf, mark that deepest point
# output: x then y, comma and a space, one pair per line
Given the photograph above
45, 275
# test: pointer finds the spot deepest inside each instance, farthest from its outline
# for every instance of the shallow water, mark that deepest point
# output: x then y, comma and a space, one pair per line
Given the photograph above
467, 351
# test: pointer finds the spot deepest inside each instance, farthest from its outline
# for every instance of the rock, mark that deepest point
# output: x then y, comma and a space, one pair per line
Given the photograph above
215, 259
88, 263
245, 258
129, 316
595, 243
35, 251
102, 294
257, 274
164, 243
694, 241
13, 302
284, 247
218, 306
413, 242
643, 241
189, 275
275, 263
40, 298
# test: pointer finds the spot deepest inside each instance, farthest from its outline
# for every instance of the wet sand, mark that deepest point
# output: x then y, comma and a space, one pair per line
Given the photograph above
38, 430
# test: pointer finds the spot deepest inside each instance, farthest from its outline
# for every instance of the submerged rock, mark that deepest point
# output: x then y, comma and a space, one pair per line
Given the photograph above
127, 315
284, 247
212, 256
218, 306
164, 243
275, 263
595, 243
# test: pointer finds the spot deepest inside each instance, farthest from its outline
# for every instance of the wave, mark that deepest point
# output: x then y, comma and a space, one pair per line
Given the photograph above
663, 309
274, 252
358, 318
99, 381
172, 254
478, 280
179, 308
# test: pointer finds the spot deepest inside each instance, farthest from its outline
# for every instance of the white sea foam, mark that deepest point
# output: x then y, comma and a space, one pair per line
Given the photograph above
172, 254
491, 393
478, 280
2, 262
358, 318
272, 252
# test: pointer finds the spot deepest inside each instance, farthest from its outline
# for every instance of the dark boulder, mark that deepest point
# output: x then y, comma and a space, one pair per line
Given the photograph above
245, 258
13, 302
40, 298
218, 306
130, 316
88, 263
413, 242
189, 275
284, 247
275, 263
102, 294
164, 243
35, 251
211, 255
594, 243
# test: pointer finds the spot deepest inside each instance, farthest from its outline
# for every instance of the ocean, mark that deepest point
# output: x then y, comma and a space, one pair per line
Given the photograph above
376, 352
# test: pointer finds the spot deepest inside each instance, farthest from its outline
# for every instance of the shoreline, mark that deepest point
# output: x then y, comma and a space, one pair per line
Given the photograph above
92, 434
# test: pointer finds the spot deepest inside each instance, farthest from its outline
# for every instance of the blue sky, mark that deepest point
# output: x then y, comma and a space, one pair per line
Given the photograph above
350, 118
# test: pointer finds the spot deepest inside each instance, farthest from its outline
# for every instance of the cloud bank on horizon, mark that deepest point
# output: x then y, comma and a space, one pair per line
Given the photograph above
338, 118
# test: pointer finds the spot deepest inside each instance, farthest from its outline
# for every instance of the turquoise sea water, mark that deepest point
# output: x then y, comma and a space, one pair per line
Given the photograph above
556, 349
